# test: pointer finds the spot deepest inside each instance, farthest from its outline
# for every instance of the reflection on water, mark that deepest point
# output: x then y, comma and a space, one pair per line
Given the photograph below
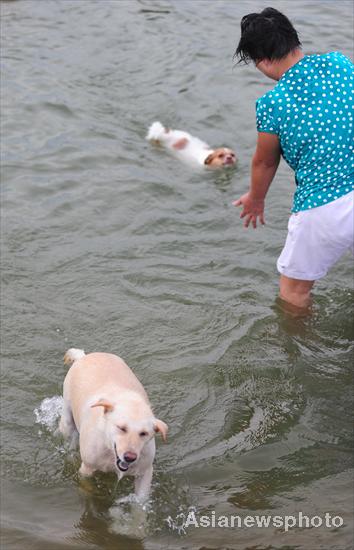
110, 245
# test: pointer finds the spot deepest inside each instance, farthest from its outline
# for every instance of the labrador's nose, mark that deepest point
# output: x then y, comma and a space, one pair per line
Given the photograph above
130, 457
229, 159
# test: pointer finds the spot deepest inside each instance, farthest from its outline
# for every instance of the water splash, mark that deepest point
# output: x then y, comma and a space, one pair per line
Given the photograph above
178, 523
128, 517
49, 411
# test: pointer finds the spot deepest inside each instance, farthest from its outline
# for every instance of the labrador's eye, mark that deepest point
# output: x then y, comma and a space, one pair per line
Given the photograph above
122, 429
143, 434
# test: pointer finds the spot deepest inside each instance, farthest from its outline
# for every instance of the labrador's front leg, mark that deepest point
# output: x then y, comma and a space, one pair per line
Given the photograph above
142, 485
86, 471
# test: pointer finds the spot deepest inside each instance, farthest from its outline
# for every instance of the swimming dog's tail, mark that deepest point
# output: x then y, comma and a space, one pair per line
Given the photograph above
156, 132
73, 355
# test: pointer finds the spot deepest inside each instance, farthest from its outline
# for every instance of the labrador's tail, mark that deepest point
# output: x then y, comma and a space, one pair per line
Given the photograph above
156, 131
73, 355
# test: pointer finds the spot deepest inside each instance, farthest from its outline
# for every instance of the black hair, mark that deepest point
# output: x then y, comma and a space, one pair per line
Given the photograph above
266, 35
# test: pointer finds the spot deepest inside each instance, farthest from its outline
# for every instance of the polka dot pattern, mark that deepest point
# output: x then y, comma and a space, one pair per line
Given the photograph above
311, 111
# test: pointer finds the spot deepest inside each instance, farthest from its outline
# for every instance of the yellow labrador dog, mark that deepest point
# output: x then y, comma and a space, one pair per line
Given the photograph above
107, 407
190, 148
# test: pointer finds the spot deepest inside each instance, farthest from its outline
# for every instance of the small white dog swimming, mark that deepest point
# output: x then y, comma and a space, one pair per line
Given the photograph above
106, 406
190, 148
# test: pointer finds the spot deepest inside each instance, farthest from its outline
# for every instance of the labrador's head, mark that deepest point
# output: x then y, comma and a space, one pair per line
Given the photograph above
130, 425
221, 157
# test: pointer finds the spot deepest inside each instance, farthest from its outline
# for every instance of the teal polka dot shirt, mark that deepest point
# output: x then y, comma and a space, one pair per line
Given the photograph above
311, 111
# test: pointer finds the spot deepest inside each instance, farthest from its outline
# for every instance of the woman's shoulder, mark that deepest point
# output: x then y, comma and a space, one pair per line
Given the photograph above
271, 97
331, 58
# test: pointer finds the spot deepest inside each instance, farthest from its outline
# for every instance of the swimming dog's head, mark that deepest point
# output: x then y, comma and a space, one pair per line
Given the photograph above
221, 157
129, 426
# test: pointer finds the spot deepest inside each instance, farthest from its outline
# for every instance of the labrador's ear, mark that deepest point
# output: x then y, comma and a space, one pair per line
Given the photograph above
108, 407
209, 158
161, 427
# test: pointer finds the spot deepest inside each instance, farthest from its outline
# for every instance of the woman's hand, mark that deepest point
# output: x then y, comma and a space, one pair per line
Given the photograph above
265, 162
253, 209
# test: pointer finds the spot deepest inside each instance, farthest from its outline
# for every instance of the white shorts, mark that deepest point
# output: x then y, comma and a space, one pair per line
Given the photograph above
317, 238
